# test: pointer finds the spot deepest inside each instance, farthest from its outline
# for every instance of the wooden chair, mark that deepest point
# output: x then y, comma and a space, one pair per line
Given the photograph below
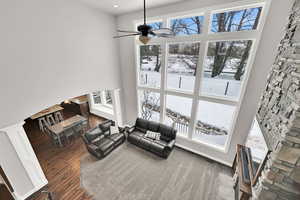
81, 128
50, 120
53, 137
69, 134
42, 123
58, 117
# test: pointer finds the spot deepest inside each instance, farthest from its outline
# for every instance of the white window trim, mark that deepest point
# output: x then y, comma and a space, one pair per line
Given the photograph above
204, 38
103, 101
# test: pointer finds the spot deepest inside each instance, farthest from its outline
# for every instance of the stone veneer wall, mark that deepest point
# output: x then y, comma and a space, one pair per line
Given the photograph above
279, 118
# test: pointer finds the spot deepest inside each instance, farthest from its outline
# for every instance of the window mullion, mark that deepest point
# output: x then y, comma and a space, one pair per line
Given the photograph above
164, 62
198, 78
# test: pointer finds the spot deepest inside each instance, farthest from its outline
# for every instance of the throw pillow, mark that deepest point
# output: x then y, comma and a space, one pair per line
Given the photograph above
152, 135
114, 130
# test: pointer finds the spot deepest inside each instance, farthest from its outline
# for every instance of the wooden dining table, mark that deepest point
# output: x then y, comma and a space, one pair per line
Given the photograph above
59, 128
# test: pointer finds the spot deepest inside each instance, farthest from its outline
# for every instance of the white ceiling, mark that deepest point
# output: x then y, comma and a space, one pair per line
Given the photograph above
126, 6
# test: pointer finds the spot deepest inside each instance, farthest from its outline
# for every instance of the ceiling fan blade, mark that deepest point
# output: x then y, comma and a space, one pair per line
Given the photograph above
119, 36
164, 35
125, 31
163, 32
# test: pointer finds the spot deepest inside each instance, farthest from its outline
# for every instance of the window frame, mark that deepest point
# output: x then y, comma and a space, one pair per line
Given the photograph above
103, 99
204, 38
166, 62
194, 14
137, 50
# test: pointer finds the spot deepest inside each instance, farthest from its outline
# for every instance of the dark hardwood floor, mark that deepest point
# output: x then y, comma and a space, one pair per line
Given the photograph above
60, 165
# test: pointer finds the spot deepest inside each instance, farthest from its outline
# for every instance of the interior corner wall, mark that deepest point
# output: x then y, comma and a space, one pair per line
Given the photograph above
270, 38
52, 50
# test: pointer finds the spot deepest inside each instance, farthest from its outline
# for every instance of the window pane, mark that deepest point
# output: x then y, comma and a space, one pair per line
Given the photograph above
108, 97
97, 97
257, 142
149, 105
182, 64
187, 26
224, 68
213, 122
177, 115
150, 66
238, 20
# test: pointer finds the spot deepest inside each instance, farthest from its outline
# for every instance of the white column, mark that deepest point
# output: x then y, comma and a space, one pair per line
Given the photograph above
19, 162
117, 107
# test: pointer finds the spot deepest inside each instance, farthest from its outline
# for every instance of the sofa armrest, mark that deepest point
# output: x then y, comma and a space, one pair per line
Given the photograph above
171, 144
122, 130
93, 147
129, 129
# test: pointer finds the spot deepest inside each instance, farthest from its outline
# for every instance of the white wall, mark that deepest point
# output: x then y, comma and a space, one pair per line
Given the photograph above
271, 35
52, 50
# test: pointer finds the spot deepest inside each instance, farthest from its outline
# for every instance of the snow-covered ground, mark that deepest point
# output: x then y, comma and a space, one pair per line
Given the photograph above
257, 142
211, 113
180, 76
209, 86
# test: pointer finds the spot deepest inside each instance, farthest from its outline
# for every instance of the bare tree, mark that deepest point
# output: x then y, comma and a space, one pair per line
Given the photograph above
241, 67
149, 105
223, 52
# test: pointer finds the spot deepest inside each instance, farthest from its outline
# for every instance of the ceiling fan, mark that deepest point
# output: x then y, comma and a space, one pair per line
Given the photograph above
144, 31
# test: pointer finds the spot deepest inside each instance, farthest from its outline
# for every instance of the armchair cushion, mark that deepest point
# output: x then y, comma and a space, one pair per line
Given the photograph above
92, 134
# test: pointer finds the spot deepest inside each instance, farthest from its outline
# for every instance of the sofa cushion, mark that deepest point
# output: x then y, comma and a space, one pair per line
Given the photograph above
153, 126
116, 137
145, 142
161, 142
139, 129
156, 147
93, 134
135, 136
141, 123
138, 133
167, 133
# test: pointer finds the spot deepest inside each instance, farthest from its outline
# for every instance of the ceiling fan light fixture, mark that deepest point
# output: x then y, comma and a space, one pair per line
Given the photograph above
144, 39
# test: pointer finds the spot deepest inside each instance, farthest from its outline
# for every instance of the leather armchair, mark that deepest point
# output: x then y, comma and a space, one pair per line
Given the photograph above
100, 142
161, 147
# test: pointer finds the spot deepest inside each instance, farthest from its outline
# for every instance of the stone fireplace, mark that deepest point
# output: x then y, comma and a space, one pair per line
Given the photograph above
279, 119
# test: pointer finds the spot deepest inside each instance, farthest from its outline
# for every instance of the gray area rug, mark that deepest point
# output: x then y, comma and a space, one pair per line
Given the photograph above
130, 173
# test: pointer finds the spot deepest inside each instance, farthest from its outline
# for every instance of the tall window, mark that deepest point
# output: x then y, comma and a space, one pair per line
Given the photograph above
194, 81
